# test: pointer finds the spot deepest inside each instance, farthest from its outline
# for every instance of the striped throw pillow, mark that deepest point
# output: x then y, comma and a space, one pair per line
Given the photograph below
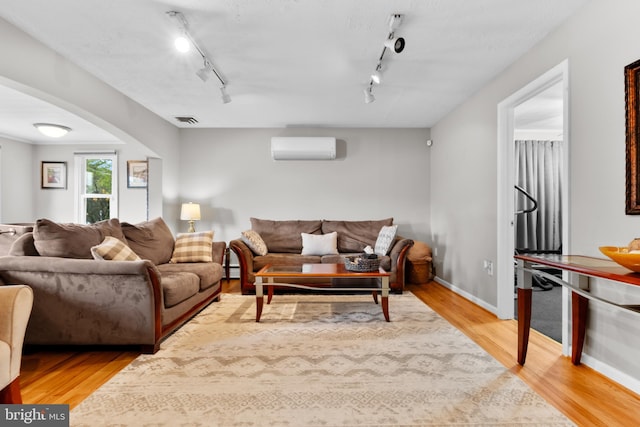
193, 247
112, 249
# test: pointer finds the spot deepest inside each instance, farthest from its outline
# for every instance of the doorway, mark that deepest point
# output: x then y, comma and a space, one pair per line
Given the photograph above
554, 82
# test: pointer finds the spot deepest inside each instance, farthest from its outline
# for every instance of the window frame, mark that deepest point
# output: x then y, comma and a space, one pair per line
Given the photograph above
81, 196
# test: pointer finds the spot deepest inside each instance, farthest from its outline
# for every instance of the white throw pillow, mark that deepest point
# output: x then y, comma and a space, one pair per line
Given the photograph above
320, 244
385, 239
252, 239
112, 249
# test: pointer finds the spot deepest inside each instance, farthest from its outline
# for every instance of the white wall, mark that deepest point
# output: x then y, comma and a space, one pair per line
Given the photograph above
379, 173
58, 204
31, 67
16, 182
598, 41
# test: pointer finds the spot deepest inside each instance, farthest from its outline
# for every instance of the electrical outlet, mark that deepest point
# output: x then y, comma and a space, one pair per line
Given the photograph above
488, 267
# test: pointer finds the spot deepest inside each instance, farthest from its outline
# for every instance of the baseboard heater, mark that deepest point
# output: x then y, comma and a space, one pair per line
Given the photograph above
303, 148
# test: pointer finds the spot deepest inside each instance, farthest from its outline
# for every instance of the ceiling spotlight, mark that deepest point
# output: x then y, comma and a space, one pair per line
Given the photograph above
395, 44
52, 130
182, 44
368, 96
376, 76
203, 72
225, 96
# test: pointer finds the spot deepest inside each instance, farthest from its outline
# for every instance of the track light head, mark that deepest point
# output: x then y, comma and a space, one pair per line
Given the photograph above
204, 72
395, 44
376, 76
368, 96
225, 96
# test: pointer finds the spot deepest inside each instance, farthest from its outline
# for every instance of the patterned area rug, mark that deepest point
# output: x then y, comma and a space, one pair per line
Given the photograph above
316, 360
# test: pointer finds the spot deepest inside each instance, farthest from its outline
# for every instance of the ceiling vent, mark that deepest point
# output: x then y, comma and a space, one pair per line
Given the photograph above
303, 148
187, 119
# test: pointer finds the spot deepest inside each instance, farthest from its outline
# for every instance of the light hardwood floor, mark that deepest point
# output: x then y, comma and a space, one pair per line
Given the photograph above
583, 395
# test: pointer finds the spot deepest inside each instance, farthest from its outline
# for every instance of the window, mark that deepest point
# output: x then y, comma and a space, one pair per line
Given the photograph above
96, 187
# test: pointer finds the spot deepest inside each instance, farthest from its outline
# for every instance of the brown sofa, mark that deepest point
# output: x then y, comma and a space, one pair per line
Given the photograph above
79, 300
284, 243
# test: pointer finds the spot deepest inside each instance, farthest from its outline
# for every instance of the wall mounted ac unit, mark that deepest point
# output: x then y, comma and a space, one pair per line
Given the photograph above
303, 148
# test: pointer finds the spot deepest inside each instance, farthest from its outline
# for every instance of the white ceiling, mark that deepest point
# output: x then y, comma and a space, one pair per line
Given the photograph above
288, 63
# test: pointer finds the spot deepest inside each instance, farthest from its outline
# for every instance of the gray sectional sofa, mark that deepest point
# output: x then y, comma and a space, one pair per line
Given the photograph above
79, 300
284, 246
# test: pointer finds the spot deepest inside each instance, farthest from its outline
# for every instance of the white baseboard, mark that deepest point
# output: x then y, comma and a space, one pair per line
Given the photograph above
493, 309
608, 371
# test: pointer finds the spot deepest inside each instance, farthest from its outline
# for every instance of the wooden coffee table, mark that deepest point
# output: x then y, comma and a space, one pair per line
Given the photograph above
338, 279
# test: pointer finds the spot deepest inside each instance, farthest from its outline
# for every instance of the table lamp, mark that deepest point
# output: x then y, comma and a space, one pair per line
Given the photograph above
190, 212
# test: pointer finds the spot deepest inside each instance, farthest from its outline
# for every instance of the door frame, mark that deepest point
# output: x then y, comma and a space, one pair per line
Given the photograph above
506, 182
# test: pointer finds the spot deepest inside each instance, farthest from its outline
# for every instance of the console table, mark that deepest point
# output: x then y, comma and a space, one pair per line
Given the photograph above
585, 268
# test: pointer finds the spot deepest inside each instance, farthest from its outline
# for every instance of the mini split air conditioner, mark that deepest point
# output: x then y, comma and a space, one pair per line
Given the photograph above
303, 148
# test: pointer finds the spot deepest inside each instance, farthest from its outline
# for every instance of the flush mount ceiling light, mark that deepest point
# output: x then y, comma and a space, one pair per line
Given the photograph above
52, 130
392, 43
184, 39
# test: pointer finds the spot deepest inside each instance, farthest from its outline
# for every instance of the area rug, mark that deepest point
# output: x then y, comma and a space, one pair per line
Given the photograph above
316, 360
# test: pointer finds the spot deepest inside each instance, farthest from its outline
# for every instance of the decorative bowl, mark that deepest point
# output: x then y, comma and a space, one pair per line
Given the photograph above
622, 256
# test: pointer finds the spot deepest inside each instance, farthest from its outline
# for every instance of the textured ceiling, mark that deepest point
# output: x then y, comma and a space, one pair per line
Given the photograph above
292, 63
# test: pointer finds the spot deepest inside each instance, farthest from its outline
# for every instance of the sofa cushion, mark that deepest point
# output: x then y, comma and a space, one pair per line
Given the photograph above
72, 240
177, 287
385, 239
252, 239
112, 249
151, 240
209, 273
354, 236
285, 236
193, 247
24, 246
320, 244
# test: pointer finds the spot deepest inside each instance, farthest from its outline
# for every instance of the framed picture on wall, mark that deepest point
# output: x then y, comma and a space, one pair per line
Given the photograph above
137, 172
53, 175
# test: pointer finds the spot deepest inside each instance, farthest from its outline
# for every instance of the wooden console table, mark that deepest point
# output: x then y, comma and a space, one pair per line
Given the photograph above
585, 268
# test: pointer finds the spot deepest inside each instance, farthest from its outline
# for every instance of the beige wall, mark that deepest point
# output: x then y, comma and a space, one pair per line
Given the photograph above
598, 42
379, 173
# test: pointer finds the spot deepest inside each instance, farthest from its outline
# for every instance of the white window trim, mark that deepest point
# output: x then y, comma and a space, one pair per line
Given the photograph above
80, 195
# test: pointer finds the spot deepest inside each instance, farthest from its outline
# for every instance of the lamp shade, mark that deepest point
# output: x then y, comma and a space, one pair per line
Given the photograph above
190, 212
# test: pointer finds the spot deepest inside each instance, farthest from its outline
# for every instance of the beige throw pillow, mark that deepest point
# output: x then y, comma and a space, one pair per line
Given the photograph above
253, 240
112, 249
193, 247
320, 244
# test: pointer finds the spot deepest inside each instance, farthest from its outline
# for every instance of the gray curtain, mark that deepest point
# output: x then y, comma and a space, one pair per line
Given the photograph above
538, 171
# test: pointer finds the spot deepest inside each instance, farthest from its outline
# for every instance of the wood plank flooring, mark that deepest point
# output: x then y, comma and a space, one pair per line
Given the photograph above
583, 395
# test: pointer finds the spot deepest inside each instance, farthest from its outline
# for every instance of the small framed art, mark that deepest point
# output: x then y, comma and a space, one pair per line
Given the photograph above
137, 173
54, 175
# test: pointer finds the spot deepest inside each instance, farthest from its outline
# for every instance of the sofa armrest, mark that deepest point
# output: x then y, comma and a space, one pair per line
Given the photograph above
15, 309
245, 259
398, 256
84, 301
217, 250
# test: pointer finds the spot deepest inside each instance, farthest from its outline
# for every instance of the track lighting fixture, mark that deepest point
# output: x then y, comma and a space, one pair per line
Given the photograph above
376, 76
225, 96
395, 44
368, 96
185, 40
392, 43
